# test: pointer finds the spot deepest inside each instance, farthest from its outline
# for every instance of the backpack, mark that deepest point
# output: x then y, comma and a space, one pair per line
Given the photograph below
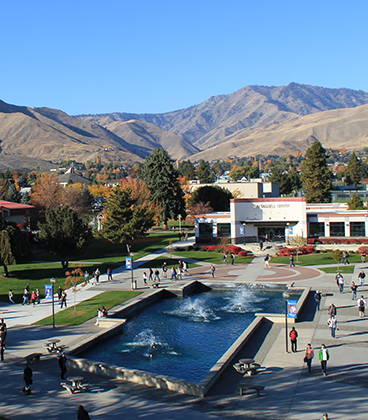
293, 335
361, 303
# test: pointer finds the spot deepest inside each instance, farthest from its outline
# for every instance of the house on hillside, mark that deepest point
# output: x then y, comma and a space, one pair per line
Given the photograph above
70, 177
17, 212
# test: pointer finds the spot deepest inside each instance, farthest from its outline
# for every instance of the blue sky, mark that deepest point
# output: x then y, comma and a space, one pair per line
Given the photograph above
151, 56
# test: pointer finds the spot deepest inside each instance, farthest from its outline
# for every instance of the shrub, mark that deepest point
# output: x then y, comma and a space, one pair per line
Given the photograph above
243, 253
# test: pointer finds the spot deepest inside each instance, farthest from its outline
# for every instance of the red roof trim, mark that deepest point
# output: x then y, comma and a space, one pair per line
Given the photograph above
268, 200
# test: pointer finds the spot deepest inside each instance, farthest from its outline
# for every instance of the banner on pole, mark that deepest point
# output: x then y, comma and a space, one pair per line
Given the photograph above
291, 305
128, 263
48, 291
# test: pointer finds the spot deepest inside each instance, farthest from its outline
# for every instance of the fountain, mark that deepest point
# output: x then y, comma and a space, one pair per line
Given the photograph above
184, 337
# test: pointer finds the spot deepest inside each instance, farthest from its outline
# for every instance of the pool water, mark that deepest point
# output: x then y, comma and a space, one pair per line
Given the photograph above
185, 337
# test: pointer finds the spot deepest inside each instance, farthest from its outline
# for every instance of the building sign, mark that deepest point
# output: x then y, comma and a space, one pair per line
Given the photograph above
270, 206
291, 308
242, 230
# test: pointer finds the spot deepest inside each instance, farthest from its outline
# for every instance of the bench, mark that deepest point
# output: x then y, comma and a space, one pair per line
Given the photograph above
70, 388
257, 388
253, 369
34, 357
154, 285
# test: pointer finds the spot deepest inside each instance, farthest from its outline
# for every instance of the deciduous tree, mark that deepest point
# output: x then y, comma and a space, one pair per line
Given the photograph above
218, 198
45, 192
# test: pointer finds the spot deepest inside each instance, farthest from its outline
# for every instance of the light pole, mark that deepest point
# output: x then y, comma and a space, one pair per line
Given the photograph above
287, 233
180, 224
286, 296
52, 280
244, 224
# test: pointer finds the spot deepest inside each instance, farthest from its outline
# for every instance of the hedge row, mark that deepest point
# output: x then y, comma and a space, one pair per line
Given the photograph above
236, 250
329, 241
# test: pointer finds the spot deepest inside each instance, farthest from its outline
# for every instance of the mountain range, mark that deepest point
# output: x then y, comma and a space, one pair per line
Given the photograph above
253, 120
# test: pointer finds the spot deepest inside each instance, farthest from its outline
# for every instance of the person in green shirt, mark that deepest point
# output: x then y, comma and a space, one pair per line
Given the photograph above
323, 356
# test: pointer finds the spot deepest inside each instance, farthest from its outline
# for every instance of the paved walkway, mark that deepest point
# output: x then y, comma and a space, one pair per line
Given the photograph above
290, 393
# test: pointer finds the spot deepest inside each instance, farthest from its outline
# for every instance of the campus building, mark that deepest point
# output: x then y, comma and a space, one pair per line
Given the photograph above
278, 219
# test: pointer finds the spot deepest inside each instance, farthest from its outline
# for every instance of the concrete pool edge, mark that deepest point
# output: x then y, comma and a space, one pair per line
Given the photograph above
114, 324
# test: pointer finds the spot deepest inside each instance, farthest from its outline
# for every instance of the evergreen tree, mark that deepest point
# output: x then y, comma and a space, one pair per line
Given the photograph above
87, 197
124, 219
355, 202
162, 181
353, 173
64, 233
25, 198
12, 194
187, 169
204, 173
316, 176
13, 246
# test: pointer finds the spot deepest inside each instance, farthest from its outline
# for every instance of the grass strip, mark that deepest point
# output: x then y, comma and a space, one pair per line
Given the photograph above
88, 308
345, 269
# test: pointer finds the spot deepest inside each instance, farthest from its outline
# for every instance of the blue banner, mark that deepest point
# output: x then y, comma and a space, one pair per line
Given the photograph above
48, 291
291, 306
128, 263
242, 230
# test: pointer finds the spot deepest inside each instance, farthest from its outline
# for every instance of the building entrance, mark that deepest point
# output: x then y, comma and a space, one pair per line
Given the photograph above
271, 234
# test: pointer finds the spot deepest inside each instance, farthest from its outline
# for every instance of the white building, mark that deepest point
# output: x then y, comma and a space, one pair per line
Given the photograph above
276, 219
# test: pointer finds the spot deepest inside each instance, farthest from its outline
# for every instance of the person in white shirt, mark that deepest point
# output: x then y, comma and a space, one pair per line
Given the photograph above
361, 306
332, 323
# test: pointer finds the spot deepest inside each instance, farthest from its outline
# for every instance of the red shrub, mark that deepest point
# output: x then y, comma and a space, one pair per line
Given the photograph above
234, 249
243, 253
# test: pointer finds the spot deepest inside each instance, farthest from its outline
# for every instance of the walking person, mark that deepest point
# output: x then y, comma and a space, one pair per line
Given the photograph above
25, 297
325, 417
173, 273
332, 323
2, 348
99, 315
150, 274
157, 276
164, 270
109, 274
292, 261
185, 268
267, 261
293, 336
144, 277
332, 310
33, 298
27, 378
225, 259
361, 278
353, 288
323, 356
232, 256
97, 275
179, 273
63, 299
361, 306
62, 364
363, 256
309, 355
59, 293
3, 332
38, 296
317, 299
340, 281
86, 276
212, 270
11, 296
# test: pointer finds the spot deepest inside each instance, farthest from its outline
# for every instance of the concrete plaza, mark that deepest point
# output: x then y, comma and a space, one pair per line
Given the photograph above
290, 392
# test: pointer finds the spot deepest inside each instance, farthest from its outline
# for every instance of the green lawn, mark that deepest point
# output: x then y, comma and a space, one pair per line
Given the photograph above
314, 259
100, 254
210, 257
88, 309
157, 263
345, 269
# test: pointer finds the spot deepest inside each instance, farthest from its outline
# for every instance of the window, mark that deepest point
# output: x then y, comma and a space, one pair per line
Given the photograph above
316, 229
205, 230
337, 229
223, 230
357, 229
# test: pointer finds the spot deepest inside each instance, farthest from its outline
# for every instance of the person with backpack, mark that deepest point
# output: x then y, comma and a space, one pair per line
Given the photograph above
353, 288
267, 261
27, 377
292, 261
309, 355
361, 306
317, 298
293, 336
361, 278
